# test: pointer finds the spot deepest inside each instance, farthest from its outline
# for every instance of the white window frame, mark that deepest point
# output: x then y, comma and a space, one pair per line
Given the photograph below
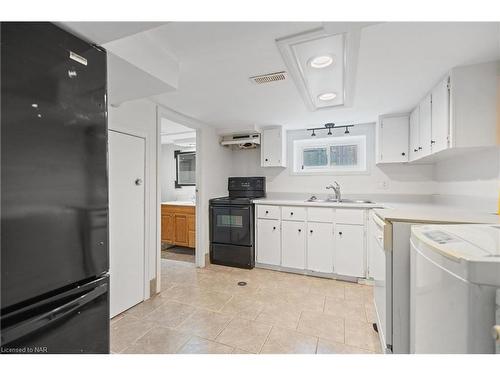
299, 145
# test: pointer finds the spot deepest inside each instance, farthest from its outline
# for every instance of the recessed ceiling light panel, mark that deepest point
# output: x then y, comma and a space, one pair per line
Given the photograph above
320, 62
327, 96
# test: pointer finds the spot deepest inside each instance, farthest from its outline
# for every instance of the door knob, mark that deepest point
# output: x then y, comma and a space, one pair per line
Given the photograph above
138, 181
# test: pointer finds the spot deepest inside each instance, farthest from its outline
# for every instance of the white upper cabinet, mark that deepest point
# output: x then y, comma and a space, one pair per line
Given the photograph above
459, 112
392, 138
474, 93
414, 134
273, 148
425, 112
440, 115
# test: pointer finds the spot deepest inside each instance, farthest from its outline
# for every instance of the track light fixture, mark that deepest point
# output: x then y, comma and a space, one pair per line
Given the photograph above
329, 126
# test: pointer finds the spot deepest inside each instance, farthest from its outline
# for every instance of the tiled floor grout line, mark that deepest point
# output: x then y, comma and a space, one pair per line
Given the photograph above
267, 338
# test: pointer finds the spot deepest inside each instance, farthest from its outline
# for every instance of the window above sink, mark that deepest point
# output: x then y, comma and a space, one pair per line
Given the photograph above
329, 155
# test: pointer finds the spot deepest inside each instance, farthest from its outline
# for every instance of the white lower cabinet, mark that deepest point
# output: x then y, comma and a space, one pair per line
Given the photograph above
313, 239
349, 250
293, 244
268, 242
320, 242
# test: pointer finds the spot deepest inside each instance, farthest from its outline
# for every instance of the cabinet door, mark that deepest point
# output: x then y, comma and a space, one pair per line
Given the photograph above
268, 242
272, 148
393, 139
425, 126
180, 230
414, 134
349, 250
293, 241
440, 115
167, 228
191, 231
320, 242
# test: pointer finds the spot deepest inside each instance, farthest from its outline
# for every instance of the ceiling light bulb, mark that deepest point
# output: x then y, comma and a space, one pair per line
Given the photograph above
327, 96
320, 62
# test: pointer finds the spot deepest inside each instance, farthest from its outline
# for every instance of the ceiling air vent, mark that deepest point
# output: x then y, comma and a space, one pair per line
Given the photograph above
268, 78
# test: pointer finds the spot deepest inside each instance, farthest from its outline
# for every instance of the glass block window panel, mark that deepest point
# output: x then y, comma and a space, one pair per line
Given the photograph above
315, 157
344, 155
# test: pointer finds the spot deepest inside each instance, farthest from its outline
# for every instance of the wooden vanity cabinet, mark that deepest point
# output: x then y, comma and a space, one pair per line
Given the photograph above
178, 225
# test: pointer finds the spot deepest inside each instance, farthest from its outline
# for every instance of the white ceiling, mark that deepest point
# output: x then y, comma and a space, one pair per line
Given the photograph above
104, 32
398, 63
173, 132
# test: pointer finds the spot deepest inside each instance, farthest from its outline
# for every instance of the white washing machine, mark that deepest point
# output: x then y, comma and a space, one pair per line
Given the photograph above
454, 278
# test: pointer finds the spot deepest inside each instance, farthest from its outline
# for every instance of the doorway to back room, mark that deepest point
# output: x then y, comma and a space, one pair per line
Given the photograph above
178, 192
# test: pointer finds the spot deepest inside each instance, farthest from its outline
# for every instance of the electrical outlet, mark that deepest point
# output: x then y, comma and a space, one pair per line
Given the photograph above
383, 185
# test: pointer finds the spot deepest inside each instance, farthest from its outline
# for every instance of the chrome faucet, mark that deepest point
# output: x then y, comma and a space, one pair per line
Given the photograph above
336, 188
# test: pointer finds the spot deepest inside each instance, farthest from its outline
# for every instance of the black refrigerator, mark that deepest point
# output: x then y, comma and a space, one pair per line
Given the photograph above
54, 192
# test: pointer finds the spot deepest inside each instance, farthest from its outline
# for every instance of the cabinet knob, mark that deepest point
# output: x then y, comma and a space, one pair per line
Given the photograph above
432, 142
267, 212
419, 148
311, 231
403, 153
300, 230
291, 213
138, 181
415, 150
274, 228
266, 159
340, 233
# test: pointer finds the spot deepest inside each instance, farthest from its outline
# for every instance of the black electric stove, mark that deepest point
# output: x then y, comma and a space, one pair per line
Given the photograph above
232, 229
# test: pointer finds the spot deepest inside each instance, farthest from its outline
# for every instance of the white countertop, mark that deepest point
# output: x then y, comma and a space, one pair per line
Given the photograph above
180, 203
432, 213
405, 212
296, 202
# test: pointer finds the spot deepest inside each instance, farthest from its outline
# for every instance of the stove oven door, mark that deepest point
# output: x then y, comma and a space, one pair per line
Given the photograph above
231, 225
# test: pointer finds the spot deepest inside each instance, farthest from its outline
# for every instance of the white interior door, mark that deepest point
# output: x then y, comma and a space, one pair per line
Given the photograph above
126, 220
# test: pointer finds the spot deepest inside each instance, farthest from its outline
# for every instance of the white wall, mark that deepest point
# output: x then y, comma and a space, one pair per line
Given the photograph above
470, 180
385, 179
167, 176
139, 117
214, 163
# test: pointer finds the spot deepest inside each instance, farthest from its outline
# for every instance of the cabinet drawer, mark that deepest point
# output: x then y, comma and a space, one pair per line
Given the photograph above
268, 212
321, 214
350, 216
293, 213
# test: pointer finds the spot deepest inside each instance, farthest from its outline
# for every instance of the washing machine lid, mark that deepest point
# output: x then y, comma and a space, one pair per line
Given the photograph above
467, 242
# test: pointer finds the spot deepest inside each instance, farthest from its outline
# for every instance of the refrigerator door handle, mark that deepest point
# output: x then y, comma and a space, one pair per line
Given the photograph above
10, 334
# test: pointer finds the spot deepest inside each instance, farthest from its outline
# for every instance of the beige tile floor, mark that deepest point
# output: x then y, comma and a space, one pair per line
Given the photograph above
205, 311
